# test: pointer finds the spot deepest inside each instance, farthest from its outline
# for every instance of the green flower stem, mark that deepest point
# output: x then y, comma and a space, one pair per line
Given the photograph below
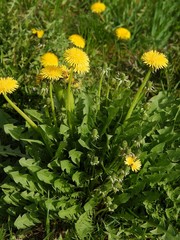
101, 17
137, 96
31, 123
70, 100
70, 81
52, 103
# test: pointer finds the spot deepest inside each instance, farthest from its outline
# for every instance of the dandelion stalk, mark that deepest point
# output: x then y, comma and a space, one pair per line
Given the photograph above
137, 96
70, 100
101, 17
52, 103
31, 123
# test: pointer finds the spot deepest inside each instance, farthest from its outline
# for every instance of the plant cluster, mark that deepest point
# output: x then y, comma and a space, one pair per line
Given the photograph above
95, 155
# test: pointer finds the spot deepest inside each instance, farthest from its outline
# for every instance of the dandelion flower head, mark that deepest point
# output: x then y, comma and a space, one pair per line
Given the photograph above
49, 59
51, 73
77, 40
136, 166
8, 85
123, 33
98, 7
39, 33
129, 160
33, 30
77, 59
155, 60
133, 162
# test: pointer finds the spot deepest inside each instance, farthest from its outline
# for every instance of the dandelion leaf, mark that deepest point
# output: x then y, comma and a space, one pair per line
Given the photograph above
84, 226
69, 213
26, 220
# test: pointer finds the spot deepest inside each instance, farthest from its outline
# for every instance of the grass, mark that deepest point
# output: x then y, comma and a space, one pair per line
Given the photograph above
68, 180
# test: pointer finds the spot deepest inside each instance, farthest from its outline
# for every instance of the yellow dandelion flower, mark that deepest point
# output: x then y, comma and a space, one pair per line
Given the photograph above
51, 73
49, 59
155, 60
98, 7
129, 160
39, 33
135, 166
8, 85
77, 59
133, 162
77, 40
33, 30
123, 33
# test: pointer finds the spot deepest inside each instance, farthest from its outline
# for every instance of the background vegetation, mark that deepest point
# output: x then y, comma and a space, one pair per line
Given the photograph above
82, 189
